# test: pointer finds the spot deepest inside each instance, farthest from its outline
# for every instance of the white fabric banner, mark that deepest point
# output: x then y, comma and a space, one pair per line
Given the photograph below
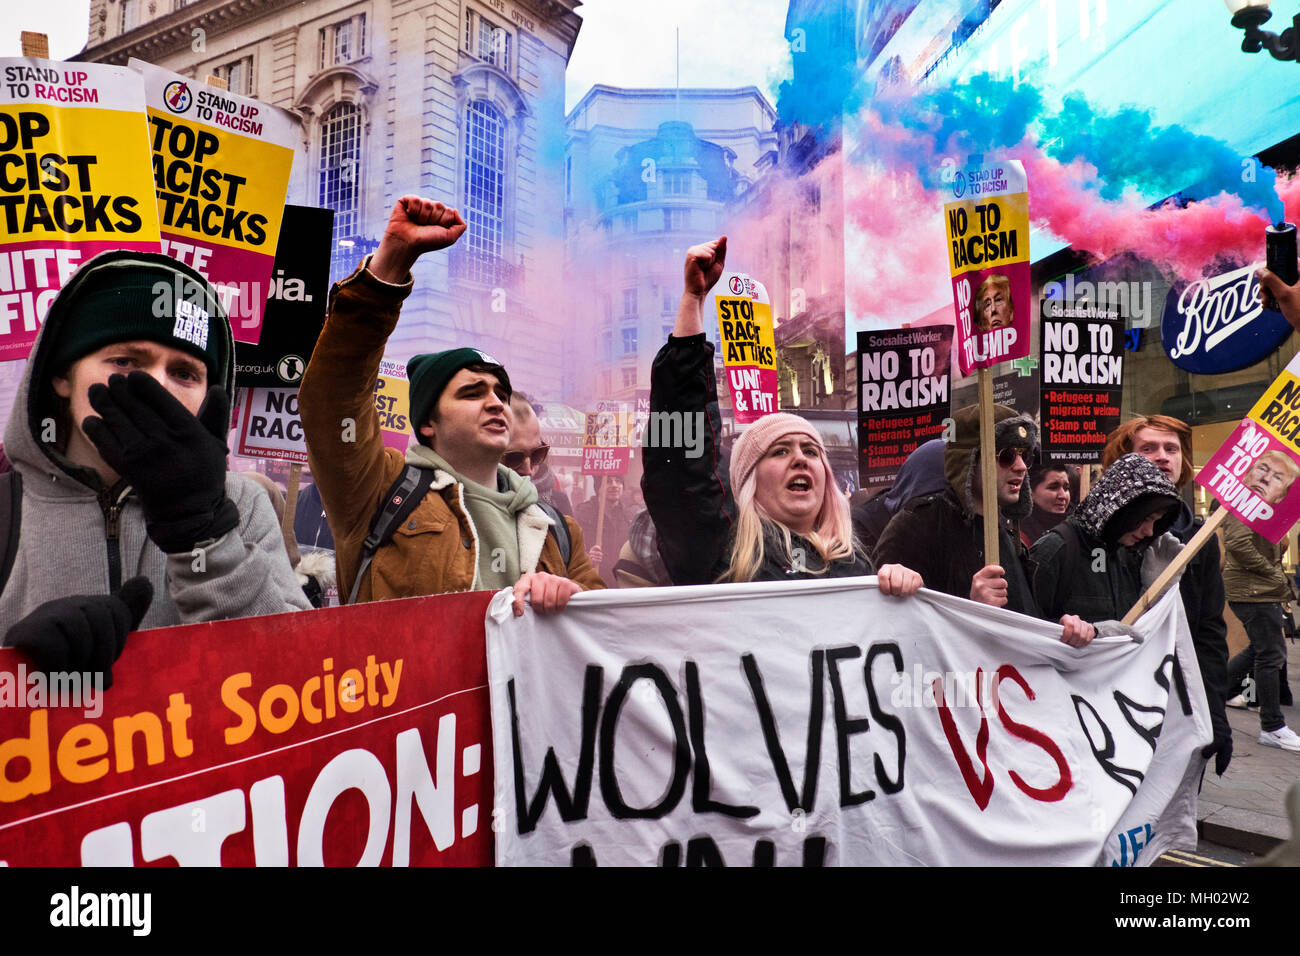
823, 723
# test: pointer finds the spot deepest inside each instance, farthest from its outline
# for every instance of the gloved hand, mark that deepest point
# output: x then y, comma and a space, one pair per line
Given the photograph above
175, 461
1220, 749
1158, 556
85, 632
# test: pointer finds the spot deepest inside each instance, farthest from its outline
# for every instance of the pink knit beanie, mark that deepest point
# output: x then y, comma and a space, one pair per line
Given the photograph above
760, 436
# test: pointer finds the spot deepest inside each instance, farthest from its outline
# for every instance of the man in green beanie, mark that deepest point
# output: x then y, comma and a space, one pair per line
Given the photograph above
125, 515
941, 536
478, 527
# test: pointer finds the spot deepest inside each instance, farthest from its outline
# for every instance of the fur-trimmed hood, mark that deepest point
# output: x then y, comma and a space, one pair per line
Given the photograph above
1127, 492
961, 457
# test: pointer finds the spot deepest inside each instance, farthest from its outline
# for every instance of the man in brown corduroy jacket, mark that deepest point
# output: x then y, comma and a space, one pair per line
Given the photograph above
479, 526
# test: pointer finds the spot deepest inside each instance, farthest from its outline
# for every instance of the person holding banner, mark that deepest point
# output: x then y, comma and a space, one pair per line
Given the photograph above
781, 515
474, 524
1097, 562
128, 518
942, 535
1167, 443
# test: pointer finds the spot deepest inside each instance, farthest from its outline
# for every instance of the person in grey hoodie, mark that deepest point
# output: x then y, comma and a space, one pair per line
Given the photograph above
128, 517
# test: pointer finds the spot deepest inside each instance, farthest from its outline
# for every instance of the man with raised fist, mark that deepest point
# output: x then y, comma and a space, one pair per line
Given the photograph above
121, 514
474, 524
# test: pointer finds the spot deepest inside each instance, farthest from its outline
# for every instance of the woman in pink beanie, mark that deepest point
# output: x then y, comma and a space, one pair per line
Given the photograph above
780, 514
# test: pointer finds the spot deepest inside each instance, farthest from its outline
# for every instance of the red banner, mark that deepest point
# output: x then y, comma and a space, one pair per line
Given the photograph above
351, 736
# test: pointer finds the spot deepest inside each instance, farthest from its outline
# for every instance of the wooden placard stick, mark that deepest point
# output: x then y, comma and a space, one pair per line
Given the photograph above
291, 498
35, 44
600, 512
1157, 589
988, 468
1085, 479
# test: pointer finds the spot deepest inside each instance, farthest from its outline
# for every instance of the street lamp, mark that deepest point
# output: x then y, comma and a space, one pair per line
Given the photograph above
1249, 15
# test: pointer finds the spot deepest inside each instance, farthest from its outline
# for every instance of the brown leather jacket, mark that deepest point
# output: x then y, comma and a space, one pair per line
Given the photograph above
435, 551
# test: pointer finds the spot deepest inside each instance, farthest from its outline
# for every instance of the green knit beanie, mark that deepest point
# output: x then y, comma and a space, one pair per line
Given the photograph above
143, 301
429, 373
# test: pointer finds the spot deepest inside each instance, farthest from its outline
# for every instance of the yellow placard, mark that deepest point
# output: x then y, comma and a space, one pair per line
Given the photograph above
747, 337
987, 231
70, 173
216, 185
1278, 410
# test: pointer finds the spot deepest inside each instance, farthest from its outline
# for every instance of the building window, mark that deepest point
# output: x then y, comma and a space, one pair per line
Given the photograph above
343, 42
670, 304
340, 153
238, 75
676, 184
130, 15
629, 302
177, 4
485, 176
486, 41
677, 220
629, 340
629, 378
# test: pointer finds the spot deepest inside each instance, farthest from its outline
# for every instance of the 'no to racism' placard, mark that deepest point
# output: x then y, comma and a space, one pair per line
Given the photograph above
74, 182
221, 167
748, 346
904, 396
1082, 379
1253, 473
988, 256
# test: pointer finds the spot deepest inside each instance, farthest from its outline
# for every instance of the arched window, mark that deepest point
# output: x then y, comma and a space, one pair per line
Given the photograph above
340, 153
340, 186
485, 174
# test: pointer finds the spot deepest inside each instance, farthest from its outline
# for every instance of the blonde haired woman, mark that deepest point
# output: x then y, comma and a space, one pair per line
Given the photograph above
787, 517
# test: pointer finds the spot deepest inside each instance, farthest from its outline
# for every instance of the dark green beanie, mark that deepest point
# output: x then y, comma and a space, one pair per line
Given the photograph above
429, 373
143, 301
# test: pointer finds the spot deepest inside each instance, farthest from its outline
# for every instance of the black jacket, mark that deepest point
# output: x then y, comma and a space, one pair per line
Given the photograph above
1202, 591
1080, 567
944, 542
689, 499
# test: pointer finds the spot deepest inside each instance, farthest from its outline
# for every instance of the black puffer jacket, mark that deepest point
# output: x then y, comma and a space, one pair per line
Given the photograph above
1080, 567
690, 499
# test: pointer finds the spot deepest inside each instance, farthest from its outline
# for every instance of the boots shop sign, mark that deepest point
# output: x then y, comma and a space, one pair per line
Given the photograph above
1217, 324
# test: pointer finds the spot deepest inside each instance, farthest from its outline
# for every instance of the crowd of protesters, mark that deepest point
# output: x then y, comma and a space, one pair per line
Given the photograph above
117, 445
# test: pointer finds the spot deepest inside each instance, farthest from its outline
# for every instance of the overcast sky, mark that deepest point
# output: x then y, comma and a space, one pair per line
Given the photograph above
622, 42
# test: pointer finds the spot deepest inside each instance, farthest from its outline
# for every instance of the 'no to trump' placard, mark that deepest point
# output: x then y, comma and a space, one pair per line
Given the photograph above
1254, 471
988, 256
74, 182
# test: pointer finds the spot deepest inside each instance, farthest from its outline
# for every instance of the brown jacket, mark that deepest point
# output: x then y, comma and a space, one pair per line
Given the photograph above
1253, 570
435, 551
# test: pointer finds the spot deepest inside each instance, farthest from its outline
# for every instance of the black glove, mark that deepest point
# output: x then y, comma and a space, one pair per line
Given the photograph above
85, 632
1221, 747
176, 462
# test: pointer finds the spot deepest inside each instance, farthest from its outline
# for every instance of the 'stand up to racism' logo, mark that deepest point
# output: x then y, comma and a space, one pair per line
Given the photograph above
959, 185
737, 285
177, 96
1216, 324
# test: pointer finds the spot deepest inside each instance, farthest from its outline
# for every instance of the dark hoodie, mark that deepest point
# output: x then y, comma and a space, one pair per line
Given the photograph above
940, 535
78, 537
921, 474
1068, 576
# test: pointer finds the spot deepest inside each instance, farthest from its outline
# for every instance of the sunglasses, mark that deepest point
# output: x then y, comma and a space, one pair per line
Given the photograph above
514, 459
1007, 456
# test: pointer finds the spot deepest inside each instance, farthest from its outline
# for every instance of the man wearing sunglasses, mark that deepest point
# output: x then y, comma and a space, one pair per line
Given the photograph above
477, 525
528, 454
941, 536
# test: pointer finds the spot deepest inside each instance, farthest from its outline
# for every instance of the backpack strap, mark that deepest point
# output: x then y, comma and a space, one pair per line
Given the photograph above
11, 519
560, 529
405, 493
